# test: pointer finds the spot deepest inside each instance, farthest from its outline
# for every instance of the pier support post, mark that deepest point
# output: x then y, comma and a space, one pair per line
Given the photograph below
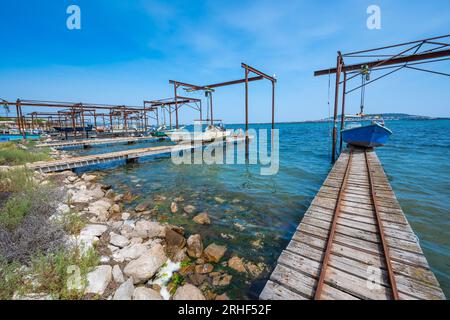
246, 113
336, 103
344, 88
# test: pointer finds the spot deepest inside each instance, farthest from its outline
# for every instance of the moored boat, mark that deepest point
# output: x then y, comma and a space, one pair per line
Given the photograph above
371, 135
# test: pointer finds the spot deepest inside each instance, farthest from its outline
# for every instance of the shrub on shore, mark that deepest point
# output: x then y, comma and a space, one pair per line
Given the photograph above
15, 153
34, 257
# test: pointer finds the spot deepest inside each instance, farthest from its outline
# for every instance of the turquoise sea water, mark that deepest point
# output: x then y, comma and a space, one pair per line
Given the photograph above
269, 208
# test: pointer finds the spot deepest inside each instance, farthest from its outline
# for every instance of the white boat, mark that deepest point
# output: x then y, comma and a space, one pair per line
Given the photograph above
212, 132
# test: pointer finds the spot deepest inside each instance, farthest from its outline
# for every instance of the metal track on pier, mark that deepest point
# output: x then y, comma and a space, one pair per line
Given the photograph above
354, 242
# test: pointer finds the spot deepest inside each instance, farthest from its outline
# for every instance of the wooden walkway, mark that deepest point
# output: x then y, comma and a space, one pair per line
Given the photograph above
127, 155
354, 242
91, 142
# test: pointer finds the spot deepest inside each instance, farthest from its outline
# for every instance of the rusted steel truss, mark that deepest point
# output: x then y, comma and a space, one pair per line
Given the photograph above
411, 54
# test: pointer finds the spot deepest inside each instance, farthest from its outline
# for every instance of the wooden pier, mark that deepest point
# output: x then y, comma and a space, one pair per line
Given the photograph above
127, 155
354, 242
90, 142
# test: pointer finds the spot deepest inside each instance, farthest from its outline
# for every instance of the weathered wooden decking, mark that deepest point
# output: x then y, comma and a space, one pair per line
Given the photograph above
127, 155
356, 256
91, 142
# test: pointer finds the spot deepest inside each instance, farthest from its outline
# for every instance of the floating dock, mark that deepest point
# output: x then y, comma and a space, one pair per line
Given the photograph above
354, 242
90, 142
127, 155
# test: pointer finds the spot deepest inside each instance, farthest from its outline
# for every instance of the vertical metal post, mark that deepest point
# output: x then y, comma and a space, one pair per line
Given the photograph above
95, 119
82, 120
111, 121
74, 123
211, 107
175, 85
344, 88
246, 113
273, 105
201, 119
157, 116
170, 116
336, 103
125, 120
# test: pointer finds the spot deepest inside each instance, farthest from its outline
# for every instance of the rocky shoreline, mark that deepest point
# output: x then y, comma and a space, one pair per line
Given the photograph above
140, 258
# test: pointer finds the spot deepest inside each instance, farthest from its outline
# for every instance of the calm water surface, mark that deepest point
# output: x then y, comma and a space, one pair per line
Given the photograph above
268, 208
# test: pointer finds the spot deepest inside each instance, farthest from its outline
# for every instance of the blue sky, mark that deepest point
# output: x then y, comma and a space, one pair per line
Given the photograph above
126, 51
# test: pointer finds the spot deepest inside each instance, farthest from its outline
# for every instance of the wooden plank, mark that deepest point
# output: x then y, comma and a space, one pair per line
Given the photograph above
275, 291
294, 280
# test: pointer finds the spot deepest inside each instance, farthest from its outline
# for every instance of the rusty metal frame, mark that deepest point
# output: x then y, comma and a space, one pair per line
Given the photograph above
412, 55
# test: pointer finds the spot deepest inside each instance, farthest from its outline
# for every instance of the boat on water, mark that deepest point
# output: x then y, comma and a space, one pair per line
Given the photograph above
368, 133
212, 132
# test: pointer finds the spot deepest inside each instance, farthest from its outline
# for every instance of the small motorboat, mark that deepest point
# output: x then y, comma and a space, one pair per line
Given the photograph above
212, 132
373, 134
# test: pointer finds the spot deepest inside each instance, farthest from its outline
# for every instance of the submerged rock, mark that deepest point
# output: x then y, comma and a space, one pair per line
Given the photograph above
144, 293
204, 268
222, 296
98, 279
237, 264
189, 209
146, 265
202, 218
188, 292
215, 252
222, 280
195, 246
219, 200
174, 207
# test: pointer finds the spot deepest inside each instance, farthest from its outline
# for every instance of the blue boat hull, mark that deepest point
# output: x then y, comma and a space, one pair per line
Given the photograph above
374, 135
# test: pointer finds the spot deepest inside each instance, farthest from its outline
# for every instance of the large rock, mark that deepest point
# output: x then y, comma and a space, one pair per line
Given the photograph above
174, 239
84, 196
100, 208
148, 229
125, 291
146, 265
215, 252
117, 274
202, 218
195, 246
118, 240
143, 293
98, 279
88, 177
188, 292
131, 252
95, 230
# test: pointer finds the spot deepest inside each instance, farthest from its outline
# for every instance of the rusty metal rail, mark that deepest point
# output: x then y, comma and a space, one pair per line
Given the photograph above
336, 216
354, 242
380, 227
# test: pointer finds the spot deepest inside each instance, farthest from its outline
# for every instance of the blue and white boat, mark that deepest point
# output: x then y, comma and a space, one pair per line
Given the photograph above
369, 135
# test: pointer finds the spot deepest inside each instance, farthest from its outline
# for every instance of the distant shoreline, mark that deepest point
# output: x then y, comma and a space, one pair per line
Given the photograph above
421, 118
